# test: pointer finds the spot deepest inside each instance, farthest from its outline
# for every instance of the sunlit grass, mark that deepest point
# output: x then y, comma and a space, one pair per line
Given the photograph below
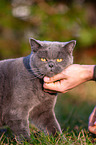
72, 112
38, 138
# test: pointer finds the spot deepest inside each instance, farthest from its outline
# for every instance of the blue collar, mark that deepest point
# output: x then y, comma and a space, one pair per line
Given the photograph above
26, 62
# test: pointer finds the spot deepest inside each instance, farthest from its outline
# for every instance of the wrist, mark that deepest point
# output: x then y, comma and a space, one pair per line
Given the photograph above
88, 72
94, 73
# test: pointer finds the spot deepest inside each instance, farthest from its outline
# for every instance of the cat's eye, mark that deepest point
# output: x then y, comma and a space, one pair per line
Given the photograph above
43, 59
59, 60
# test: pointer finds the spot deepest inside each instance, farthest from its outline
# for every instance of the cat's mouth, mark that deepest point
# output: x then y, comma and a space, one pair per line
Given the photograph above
51, 70
51, 73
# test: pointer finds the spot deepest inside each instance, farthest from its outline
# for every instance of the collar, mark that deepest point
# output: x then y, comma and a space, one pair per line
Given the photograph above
26, 62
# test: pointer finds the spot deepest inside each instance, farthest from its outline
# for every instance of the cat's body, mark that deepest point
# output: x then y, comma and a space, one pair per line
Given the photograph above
21, 89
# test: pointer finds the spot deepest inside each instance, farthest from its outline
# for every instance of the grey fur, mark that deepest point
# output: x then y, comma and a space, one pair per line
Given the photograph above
21, 91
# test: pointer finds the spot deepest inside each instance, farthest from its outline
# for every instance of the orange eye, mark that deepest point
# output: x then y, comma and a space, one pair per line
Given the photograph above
43, 59
59, 60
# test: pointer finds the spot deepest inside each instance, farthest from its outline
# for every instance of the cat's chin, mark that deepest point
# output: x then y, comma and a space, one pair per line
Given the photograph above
51, 74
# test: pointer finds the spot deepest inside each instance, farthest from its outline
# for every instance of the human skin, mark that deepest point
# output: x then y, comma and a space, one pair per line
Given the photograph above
69, 78
92, 121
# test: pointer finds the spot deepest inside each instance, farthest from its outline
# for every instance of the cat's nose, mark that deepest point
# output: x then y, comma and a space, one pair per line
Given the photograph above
51, 64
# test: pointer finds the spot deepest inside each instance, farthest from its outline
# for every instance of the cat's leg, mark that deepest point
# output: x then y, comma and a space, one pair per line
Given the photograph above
20, 129
0, 117
19, 126
43, 117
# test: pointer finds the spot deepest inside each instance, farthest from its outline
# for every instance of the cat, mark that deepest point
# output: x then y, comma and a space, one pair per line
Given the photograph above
21, 87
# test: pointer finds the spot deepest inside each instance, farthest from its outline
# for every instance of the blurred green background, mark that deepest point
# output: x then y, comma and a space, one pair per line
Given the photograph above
54, 20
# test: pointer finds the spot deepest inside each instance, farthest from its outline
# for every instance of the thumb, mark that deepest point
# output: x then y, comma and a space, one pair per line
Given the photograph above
92, 117
55, 78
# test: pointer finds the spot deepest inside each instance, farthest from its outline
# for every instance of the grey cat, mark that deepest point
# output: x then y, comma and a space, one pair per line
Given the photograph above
21, 87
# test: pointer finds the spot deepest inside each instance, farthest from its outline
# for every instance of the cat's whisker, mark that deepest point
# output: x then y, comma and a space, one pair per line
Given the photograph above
37, 72
38, 76
33, 69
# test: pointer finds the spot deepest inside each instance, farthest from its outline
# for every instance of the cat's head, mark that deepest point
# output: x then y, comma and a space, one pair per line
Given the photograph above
50, 58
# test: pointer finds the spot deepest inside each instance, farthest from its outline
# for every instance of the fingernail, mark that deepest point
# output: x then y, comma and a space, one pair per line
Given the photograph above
46, 79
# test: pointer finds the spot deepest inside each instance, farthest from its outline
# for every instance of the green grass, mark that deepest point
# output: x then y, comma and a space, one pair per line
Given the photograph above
72, 112
38, 138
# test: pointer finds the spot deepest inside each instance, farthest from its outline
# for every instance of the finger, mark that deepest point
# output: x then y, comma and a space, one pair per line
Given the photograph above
92, 117
50, 86
49, 91
55, 78
91, 120
95, 123
94, 110
92, 129
56, 86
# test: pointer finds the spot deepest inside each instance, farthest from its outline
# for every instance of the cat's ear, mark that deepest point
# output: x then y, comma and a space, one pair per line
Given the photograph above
70, 46
35, 45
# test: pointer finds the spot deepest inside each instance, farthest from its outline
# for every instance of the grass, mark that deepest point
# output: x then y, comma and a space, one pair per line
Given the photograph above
73, 118
38, 138
72, 112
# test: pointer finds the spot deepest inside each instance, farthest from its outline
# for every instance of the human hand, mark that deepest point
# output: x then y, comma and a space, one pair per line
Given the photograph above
92, 121
71, 77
